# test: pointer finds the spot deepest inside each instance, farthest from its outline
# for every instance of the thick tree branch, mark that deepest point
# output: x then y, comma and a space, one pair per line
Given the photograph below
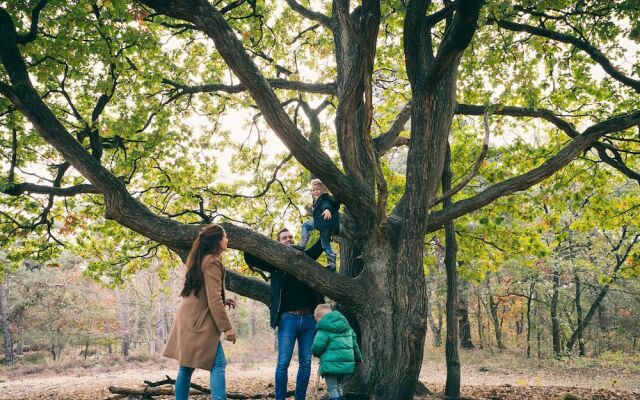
14, 155
212, 23
129, 212
21, 188
616, 161
120, 205
302, 33
355, 42
340, 288
525, 181
441, 14
548, 115
310, 14
474, 171
592, 51
321, 88
33, 29
456, 41
433, 104
248, 287
389, 139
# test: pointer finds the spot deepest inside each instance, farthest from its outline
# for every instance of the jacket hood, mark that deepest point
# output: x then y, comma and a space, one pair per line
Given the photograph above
333, 322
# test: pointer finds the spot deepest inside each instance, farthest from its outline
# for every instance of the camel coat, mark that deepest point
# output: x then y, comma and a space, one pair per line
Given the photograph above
199, 321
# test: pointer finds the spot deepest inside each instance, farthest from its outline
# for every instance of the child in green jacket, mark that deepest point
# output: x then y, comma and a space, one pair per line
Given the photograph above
335, 344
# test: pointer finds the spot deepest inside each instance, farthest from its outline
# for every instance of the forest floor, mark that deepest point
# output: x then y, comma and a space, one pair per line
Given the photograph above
503, 377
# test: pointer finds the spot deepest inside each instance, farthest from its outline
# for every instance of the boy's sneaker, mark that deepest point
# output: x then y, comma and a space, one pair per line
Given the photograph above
331, 267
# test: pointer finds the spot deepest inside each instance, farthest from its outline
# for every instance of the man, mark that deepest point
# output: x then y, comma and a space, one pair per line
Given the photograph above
292, 305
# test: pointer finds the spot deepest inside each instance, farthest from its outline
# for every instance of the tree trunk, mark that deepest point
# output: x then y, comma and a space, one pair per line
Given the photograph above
16, 334
555, 323
577, 333
538, 331
161, 333
463, 316
86, 349
436, 329
579, 313
603, 318
107, 332
520, 324
252, 306
125, 340
587, 319
452, 386
6, 327
493, 312
529, 301
392, 333
479, 321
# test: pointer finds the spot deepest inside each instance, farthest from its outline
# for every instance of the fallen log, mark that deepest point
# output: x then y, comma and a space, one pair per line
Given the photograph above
171, 381
169, 391
147, 391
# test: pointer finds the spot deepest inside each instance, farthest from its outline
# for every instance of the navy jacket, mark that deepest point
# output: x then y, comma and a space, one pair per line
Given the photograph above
324, 202
277, 280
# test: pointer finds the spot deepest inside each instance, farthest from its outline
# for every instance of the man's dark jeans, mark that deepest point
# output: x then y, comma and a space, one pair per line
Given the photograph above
294, 327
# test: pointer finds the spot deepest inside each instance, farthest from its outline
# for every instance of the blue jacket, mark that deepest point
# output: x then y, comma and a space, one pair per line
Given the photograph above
277, 280
325, 202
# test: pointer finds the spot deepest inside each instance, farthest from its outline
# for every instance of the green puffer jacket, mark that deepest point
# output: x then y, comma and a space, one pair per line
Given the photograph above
336, 345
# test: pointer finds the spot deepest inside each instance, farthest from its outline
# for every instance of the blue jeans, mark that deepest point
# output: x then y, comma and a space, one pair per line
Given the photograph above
294, 327
305, 232
216, 378
325, 240
334, 386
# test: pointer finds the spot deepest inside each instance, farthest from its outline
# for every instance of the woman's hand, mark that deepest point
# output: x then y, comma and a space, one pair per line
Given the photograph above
230, 335
326, 214
230, 302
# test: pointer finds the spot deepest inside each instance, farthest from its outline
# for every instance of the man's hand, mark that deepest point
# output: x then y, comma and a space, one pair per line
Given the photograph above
230, 335
297, 247
231, 303
326, 214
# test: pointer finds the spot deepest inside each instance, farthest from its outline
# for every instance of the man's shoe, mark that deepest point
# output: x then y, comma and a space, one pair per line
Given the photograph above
331, 267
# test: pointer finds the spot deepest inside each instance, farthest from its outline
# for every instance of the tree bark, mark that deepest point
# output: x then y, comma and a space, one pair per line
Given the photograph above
479, 321
530, 298
538, 331
555, 323
436, 329
464, 323
452, 386
6, 327
493, 312
125, 340
579, 313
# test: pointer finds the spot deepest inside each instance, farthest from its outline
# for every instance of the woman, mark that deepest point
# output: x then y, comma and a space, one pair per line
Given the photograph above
201, 316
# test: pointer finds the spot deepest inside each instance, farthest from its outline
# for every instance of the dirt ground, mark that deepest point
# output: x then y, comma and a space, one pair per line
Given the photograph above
251, 378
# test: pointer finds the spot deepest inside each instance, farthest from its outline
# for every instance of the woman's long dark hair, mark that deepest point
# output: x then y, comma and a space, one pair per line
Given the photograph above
206, 242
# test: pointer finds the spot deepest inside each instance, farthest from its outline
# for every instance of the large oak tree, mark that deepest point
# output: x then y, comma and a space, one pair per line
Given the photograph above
103, 84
